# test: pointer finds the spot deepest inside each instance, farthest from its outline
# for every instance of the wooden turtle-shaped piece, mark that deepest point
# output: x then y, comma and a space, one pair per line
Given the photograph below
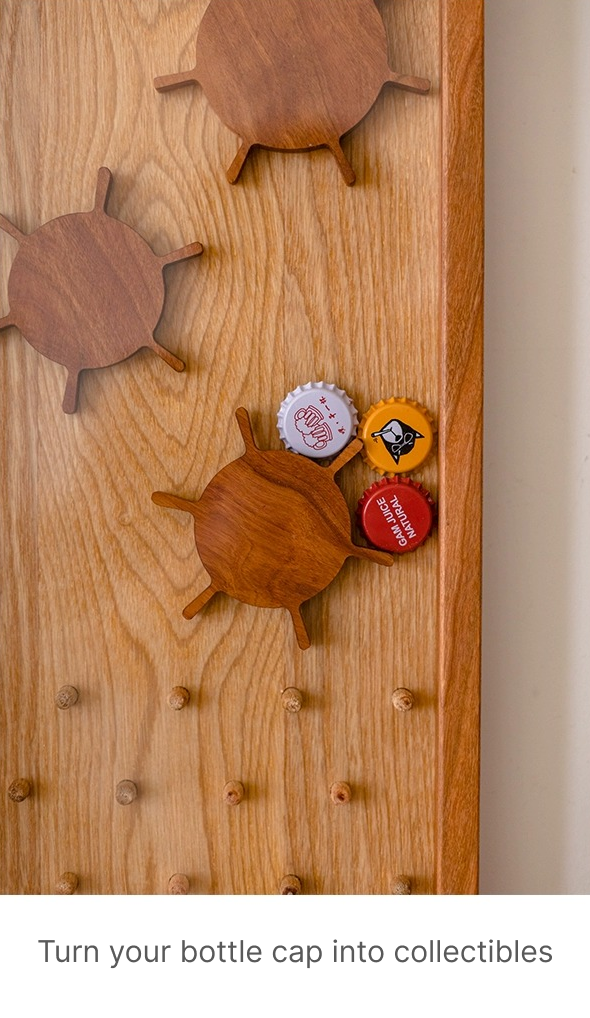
272, 528
291, 74
87, 291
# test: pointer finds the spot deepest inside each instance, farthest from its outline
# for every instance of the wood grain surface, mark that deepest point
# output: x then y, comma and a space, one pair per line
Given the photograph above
300, 280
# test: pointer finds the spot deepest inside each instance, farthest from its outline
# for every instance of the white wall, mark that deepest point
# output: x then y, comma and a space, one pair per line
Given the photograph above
535, 790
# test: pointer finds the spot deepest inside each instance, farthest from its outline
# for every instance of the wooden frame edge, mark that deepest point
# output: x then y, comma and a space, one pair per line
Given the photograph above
460, 448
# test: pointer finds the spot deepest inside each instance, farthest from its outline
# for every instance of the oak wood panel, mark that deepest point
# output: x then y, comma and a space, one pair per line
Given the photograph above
301, 279
460, 438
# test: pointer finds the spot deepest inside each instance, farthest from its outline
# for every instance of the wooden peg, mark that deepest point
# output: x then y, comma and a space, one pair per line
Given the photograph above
402, 699
292, 700
88, 291
272, 529
283, 74
402, 885
66, 697
340, 793
178, 697
126, 792
178, 884
233, 793
290, 885
19, 790
66, 884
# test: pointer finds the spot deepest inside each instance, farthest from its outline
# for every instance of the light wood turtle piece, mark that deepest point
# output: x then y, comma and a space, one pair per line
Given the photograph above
272, 529
291, 74
87, 291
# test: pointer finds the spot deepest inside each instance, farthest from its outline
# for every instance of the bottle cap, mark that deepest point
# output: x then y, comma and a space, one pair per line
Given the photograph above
396, 514
317, 420
397, 435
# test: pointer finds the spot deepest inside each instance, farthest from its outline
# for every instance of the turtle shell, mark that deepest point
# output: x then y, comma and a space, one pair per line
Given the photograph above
87, 291
98, 290
272, 529
291, 74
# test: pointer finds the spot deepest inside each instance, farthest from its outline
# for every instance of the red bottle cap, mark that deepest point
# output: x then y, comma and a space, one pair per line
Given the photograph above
396, 514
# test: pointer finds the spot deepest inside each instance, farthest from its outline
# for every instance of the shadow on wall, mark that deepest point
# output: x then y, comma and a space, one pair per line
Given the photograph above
536, 684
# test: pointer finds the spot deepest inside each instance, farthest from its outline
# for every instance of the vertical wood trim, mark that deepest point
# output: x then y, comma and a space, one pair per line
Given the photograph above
460, 445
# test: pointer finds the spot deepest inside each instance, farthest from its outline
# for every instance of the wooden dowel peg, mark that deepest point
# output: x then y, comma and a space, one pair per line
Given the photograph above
66, 884
178, 884
66, 697
178, 697
233, 793
402, 699
340, 793
290, 885
19, 790
292, 700
126, 792
401, 885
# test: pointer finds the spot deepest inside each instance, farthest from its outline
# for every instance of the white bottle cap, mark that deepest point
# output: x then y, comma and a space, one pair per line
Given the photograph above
317, 420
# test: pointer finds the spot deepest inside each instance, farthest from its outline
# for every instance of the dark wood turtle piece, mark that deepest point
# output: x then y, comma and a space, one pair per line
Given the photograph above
291, 74
87, 291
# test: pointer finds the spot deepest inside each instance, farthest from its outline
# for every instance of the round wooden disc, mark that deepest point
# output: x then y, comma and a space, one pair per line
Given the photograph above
291, 75
86, 290
272, 529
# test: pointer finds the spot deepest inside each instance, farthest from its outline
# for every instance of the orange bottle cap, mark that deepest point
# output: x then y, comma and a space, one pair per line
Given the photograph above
397, 435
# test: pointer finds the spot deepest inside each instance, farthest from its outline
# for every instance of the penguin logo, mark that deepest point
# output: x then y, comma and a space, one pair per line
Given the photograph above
398, 438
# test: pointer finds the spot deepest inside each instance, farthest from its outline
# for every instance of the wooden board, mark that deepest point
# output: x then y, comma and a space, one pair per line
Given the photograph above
376, 288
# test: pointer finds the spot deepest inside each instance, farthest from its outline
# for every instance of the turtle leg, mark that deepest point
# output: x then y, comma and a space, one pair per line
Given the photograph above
343, 457
409, 82
6, 322
162, 498
243, 419
190, 251
199, 602
382, 558
10, 228
104, 180
343, 163
169, 358
70, 400
299, 625
166, 82
237, 165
